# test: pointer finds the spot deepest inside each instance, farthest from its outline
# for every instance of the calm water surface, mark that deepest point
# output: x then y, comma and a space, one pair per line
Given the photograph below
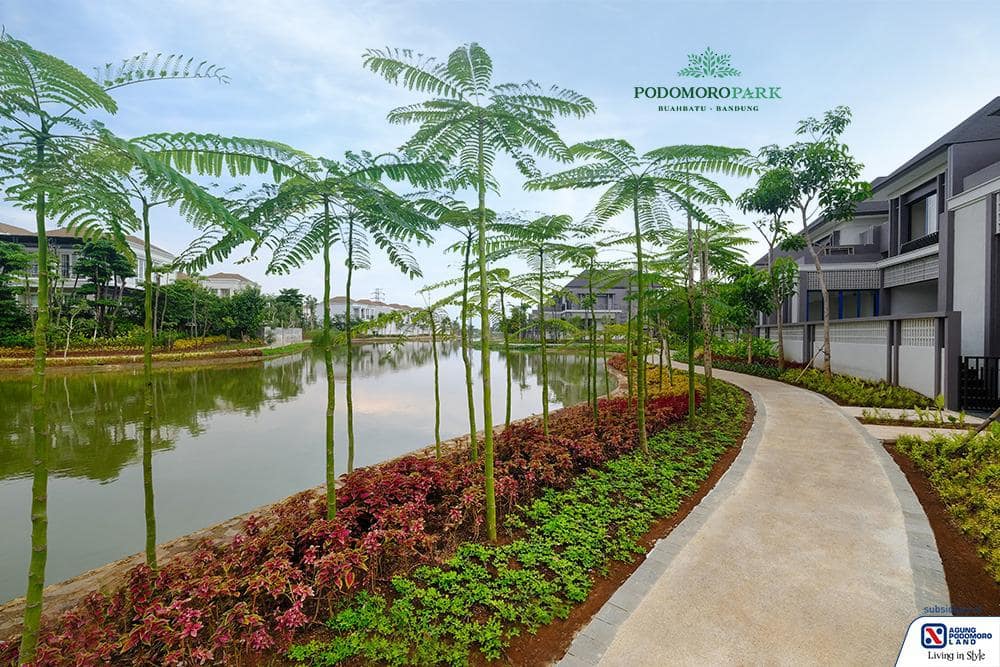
227, 440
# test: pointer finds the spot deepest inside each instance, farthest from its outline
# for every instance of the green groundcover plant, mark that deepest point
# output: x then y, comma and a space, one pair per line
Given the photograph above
966, 475
473, 605
844, 389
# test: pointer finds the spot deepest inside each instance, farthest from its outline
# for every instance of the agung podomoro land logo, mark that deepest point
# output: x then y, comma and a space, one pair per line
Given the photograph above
709, 64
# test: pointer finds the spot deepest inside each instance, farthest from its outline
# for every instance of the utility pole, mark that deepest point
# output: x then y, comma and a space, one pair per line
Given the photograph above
378, 293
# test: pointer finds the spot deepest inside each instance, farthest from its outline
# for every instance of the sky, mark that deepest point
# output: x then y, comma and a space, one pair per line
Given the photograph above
910, 71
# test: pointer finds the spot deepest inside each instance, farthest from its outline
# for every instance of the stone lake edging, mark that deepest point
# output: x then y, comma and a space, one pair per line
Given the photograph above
63, 595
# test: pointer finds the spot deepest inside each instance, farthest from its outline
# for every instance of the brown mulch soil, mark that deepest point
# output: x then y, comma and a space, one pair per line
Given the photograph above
552, 640
970, 587
909, 422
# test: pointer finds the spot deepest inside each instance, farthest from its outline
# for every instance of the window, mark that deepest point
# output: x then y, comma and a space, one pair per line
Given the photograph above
64, 265
923, 217
844, 304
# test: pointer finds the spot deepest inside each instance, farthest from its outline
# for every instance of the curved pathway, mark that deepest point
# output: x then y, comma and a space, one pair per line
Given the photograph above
812, 549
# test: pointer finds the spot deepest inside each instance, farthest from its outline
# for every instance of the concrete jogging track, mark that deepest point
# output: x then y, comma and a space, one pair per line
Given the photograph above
811, 550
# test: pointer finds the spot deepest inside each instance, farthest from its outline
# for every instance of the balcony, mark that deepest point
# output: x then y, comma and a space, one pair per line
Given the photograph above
916, 244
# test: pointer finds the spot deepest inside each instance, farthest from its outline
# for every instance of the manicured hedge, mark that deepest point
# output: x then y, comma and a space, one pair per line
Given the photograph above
844, 389
291, 566
966, 475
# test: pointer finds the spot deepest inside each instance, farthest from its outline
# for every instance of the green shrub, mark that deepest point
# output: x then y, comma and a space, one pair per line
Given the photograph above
849, 390
762, 347
966, 475
485, 595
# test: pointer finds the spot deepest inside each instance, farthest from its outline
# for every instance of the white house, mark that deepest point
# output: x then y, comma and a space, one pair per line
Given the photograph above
365, 310
226, 284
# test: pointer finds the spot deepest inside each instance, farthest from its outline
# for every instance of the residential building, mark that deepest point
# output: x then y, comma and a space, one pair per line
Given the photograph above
226, 284
65, 246
610, 302
914, 296
366, 310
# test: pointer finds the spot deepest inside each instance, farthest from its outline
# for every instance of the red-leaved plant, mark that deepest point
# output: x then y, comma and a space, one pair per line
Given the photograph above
290, 567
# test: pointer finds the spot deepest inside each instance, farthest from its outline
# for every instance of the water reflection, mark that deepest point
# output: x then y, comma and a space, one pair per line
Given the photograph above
225, 440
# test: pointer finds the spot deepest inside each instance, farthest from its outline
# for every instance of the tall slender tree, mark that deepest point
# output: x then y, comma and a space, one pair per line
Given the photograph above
470, 120
302, 219
819, 179
543, 242
362, 228
121, 186
45, 120
650, 185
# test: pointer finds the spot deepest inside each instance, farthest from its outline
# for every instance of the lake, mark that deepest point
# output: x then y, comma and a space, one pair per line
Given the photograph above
227, 439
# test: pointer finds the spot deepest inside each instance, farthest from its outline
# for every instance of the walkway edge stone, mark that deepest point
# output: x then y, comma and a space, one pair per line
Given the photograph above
593, 640
929, 583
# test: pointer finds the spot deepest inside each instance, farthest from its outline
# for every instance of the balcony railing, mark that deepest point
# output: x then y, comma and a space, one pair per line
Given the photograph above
922, 242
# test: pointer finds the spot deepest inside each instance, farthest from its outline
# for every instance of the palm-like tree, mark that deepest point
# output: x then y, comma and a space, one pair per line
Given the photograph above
304, 217
542, 242
432, 315
718, 242
111, 191
44, 107
363, 228
470, 119
650, 185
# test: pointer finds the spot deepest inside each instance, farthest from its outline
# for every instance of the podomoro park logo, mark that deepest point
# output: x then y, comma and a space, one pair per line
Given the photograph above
709, 65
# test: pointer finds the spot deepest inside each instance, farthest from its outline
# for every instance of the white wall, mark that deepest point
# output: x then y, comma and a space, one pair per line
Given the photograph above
970, 274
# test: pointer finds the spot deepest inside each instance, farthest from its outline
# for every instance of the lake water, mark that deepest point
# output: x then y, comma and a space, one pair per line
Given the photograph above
227, 440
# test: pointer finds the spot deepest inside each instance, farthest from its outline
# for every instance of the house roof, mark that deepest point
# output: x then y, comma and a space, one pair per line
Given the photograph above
228, 276
371, 302
983, 125
11, 230
63, 233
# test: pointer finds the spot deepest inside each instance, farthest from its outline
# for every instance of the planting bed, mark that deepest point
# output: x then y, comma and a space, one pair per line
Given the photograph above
288, 572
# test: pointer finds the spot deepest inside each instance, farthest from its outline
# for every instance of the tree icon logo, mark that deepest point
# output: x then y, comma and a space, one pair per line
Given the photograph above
707, 64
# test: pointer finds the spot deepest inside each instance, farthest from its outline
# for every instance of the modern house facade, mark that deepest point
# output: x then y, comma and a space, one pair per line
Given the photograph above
64, 247
611, 304
913, 277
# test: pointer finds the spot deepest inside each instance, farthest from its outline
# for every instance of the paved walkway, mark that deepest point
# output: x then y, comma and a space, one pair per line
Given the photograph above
811, 550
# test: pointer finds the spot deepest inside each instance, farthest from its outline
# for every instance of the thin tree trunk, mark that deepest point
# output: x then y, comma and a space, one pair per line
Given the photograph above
350, 352
147, 397
484, 319
827, 368
592, 347
780, 310
40, 441
706, 314
659, 333
331, 477
670, 354
690, 318
541, 338
506, 354
628, 343
437, 387
607, 376
466, 360
640, 339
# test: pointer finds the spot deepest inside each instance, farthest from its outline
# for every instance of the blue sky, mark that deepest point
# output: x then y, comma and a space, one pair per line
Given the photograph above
909, 70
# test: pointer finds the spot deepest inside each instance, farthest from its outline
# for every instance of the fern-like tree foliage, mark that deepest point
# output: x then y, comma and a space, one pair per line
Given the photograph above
111, 191
544, 242
341, 202
470, 119
47, 119
364, 227
719, 243
651, 185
